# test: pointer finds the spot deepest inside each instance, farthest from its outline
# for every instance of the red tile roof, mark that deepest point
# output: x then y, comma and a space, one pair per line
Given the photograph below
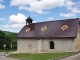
50, 29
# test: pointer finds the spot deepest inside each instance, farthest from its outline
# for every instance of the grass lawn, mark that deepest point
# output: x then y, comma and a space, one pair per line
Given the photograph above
41, 56
10, 51
1, 50
7, 51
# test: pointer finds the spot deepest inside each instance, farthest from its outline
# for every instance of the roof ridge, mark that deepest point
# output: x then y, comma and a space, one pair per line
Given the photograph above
56, 20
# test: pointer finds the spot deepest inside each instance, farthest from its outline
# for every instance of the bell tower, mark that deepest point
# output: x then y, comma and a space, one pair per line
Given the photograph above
29, 21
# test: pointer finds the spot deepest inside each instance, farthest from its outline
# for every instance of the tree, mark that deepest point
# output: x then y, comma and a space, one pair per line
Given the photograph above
2, 39
8, 39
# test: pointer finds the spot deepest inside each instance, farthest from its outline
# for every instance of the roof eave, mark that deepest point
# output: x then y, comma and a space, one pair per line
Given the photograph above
42, 37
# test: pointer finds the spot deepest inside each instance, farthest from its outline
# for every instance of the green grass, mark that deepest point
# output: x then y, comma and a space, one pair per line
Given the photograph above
7, 51
1, 50
42, 56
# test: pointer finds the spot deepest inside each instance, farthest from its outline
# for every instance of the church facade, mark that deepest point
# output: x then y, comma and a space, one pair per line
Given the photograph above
50, 36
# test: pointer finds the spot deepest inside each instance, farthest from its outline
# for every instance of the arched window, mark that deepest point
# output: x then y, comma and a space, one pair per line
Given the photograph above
51, 45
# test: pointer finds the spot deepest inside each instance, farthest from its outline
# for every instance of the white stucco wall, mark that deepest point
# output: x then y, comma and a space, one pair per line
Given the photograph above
61, 45
32, 46
27, 45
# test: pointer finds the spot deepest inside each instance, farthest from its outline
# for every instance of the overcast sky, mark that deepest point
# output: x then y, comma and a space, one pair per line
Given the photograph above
14, 12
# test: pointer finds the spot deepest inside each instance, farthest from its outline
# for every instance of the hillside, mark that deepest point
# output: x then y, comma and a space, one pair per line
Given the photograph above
9, 39
8, 33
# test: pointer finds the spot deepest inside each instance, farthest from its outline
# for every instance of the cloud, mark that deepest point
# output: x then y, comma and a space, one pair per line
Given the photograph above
39, 11
8, 28
19, 18
72, 7
2, 18
50, 19
1, 1
33, 14
68, 14
2, 6
20, 2
3, 29
16, 23
38, 6
13, 26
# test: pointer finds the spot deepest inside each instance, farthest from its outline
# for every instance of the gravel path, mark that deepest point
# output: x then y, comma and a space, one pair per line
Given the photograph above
74, 57
6, 58
2, 57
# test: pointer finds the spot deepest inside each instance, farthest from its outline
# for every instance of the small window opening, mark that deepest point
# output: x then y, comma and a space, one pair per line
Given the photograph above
51, 45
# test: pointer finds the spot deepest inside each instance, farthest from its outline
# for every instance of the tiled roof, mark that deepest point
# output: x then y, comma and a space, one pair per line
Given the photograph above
50, 29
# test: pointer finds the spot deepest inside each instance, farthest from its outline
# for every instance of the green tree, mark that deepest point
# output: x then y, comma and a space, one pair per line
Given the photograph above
8, 39
2, 39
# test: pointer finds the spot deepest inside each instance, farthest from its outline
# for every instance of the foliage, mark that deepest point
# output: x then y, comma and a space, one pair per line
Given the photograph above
2, 39
1, 50
7, 38
41, 56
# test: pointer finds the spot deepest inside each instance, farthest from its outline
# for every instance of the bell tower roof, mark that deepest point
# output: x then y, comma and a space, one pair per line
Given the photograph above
29, 21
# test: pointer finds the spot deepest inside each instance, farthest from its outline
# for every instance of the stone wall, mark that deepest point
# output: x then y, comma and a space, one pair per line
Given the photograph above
31, 45
60, 45
77, 40
27, 45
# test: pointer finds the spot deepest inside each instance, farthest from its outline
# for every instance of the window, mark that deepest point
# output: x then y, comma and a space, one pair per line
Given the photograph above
28, 29
64, 27
51, 45
43, 28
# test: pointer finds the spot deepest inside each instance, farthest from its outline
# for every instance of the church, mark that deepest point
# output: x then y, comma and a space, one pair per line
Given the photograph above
49, 36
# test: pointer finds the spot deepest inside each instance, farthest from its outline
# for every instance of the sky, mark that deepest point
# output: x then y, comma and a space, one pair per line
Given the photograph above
14, 12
